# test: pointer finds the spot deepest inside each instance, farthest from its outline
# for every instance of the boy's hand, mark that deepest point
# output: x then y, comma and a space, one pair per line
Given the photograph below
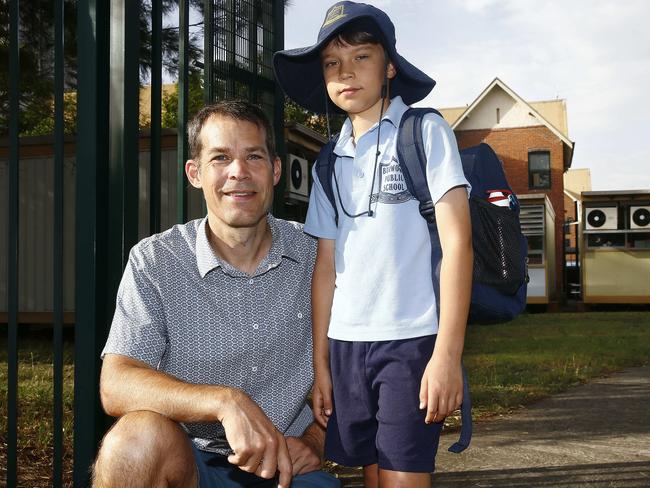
441, 389
322, 397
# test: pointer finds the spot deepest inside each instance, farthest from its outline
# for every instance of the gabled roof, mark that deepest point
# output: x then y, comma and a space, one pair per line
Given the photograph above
534, 110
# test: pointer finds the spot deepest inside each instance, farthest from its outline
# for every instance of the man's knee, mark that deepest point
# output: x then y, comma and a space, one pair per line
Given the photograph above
142, 432
141, 442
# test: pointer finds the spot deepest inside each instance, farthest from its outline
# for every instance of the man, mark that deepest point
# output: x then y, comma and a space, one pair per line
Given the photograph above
208, 361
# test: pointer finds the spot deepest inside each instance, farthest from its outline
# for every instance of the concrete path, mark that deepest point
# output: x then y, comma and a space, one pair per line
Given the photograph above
593, 435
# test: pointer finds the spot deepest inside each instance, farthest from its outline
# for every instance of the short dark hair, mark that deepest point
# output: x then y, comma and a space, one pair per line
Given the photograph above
235, 109
357, 33
355, 37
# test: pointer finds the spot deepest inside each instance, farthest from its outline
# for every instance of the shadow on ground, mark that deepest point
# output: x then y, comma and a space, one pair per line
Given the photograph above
632, 475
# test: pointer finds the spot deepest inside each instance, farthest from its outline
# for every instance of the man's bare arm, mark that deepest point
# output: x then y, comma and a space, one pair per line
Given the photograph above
129, 385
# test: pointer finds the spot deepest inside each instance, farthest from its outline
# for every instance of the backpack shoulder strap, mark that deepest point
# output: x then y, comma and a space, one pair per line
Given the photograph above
413, 160
325, 171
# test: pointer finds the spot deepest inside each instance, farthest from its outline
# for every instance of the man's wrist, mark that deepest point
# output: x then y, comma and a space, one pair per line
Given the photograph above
314, 438
222, 399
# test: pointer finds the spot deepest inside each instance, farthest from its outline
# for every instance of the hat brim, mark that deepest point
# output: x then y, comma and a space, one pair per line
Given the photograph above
300, 74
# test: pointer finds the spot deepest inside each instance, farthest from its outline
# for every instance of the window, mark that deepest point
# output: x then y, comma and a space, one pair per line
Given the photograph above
532, 226
539, 170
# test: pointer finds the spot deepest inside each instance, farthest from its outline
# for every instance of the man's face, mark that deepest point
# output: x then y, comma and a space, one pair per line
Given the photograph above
354, 75
235, 172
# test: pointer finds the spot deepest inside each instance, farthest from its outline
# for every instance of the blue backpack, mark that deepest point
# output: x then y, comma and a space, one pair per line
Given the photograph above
500, 273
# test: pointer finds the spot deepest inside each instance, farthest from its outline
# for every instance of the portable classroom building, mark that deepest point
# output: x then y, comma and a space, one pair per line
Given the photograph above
615, 239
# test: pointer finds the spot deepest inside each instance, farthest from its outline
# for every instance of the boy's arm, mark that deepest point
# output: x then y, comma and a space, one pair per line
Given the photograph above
441, 390
322, 294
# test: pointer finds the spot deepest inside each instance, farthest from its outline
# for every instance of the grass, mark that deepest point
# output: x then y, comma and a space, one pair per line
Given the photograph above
541, 354
35, 410
509, 365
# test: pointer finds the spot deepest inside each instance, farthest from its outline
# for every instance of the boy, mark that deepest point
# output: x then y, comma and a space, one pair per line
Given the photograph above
381, 386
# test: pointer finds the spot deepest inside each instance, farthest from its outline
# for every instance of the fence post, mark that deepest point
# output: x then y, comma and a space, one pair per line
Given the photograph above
279, 206
91, 240
12, 245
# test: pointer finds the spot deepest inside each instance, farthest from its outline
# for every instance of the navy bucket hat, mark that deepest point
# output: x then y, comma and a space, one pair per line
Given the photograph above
300, 74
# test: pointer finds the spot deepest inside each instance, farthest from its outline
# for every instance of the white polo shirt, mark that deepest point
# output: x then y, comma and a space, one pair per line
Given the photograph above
383, 263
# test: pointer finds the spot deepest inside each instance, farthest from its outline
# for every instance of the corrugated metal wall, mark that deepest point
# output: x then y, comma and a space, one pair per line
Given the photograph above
36, 229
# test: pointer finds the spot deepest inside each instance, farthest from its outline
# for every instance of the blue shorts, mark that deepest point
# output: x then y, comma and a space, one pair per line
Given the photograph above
376, 417
216, 472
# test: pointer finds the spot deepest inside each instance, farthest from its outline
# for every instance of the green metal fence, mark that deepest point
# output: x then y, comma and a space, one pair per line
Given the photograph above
239, 37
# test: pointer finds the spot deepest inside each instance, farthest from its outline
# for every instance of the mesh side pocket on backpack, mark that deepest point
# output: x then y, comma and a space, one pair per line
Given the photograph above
497, 256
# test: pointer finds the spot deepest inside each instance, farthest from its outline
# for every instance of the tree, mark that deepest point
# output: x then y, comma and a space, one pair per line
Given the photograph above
317, 122
36, 51
37, 54
170, 101
36, 34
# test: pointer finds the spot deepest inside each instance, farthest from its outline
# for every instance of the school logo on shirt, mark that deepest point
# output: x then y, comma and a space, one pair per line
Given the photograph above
392, 187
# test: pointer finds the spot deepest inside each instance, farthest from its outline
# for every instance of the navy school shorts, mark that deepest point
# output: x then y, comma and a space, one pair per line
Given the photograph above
376, 417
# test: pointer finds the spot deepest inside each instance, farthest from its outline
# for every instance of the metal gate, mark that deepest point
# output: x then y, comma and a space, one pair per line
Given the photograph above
118, 186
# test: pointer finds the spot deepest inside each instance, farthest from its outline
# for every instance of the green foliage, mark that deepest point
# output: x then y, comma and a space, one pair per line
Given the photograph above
39, 121
295, 113
170, 101
36, 53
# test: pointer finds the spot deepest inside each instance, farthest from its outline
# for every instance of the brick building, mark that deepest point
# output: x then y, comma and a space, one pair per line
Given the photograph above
532, 141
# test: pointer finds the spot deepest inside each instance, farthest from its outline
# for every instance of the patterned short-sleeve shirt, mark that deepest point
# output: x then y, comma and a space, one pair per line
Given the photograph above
184, 311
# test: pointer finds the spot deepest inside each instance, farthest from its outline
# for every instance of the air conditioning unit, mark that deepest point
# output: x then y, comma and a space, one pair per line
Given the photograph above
297, 177
601, 218
640, 217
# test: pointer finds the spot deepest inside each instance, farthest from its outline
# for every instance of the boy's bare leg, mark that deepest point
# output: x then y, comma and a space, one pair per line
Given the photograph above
145, 449
401, 479
371, 476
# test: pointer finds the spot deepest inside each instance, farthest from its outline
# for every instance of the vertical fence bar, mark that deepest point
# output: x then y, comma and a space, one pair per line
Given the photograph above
12, 278
208, 51
156, 117
251, 18
208, 62
183, 99
91, 234
278, 109
231, 29
124, 136
57, 289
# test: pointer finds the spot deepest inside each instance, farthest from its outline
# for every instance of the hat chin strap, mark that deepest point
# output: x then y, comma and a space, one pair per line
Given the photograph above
327, 115
384, 92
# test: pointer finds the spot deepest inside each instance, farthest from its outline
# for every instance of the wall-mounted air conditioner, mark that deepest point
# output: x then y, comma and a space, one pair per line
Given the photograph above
640, 217
297, 177
601, 218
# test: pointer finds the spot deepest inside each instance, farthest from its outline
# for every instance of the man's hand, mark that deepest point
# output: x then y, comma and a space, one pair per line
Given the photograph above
258, 446
303, 456
441, 389
306, 452
322, 396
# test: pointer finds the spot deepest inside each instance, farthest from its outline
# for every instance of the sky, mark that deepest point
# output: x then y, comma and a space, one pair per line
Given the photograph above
595, 54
